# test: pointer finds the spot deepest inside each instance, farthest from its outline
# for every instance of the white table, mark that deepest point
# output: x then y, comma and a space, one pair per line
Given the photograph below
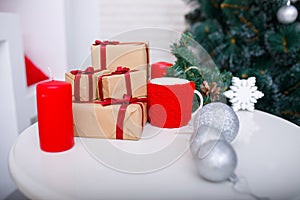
159, 166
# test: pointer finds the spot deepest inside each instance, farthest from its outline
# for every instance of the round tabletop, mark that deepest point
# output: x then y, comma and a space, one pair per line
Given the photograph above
160, 165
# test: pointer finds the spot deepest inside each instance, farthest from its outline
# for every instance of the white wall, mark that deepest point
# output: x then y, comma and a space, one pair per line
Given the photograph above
160, 22
82, 19
44, 32
127, 20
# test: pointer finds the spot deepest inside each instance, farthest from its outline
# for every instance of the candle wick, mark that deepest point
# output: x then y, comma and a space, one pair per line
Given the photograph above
50, 73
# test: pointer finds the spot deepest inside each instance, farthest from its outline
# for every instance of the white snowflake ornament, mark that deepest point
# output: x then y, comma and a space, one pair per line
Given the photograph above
243, 94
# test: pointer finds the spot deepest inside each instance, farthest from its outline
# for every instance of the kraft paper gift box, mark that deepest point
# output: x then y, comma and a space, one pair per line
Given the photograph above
122, 81
111, 54
117, 121
84, 84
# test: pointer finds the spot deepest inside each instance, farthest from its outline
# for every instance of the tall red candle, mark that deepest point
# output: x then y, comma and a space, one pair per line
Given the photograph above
55, 118
159, 69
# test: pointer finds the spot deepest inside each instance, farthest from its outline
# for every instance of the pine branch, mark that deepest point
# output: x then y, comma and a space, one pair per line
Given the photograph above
194, 64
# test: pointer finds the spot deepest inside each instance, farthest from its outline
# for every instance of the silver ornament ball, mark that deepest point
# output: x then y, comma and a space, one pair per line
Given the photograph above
216, 161
219, 117
287, 14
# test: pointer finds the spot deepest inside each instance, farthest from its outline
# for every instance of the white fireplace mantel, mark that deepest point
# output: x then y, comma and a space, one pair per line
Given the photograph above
17, 104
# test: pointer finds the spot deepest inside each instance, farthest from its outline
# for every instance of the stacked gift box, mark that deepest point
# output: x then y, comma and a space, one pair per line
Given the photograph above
110, 97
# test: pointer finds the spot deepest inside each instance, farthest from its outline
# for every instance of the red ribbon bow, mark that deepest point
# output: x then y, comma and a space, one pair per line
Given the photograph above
88, 70
102, 55
121, 70
106, 42
121, 114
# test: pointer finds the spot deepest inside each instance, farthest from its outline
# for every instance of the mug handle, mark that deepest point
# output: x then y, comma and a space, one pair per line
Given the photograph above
201, 102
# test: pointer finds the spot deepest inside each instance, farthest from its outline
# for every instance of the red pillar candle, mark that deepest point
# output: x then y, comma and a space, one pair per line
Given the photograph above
55, 118
159, 69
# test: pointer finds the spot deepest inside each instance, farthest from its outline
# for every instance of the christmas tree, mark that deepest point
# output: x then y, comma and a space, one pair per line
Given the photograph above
245, 38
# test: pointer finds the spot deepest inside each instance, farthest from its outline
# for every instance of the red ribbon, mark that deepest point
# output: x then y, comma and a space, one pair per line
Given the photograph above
88, 71
119, 70
103, 51
126, 100
122, 110
106, 42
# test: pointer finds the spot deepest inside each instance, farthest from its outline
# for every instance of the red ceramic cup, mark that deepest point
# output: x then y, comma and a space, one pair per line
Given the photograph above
170, 102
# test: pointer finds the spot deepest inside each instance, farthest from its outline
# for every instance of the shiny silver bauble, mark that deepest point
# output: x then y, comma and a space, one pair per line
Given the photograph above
219, 117
216, 160
287, 14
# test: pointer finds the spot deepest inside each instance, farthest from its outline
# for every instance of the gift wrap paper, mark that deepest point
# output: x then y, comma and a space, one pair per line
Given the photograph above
114, 86
96, 121
133, 55
84, 92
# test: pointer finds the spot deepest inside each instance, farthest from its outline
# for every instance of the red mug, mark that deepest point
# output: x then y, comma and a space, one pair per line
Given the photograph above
170, 102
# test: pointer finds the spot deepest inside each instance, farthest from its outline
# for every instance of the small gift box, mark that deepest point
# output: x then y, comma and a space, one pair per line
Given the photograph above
114, 119
84, 84
122, 81
111, 54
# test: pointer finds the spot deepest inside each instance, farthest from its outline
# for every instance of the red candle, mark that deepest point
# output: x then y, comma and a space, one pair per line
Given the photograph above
55, 118
159, 69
